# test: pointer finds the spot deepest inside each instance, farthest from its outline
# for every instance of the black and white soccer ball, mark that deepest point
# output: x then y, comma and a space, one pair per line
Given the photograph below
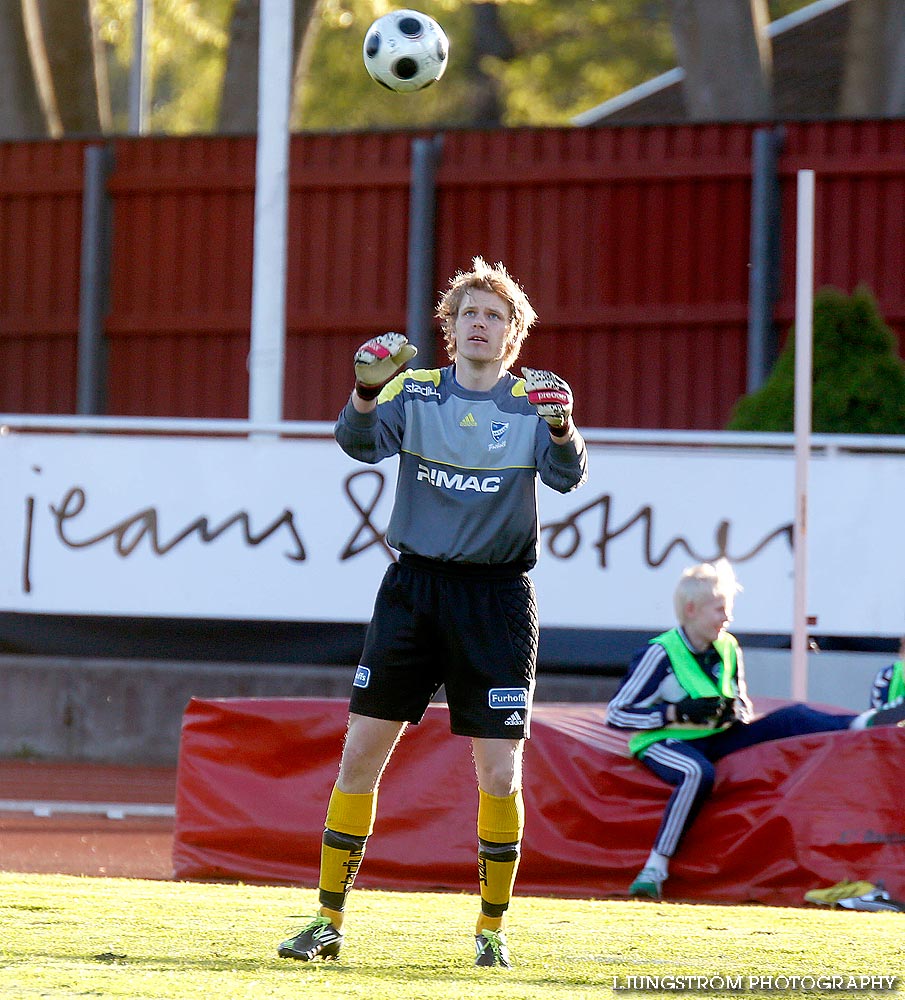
405, 50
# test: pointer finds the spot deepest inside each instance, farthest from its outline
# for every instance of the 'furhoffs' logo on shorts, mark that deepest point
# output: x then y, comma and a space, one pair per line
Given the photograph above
508, 698
362, 677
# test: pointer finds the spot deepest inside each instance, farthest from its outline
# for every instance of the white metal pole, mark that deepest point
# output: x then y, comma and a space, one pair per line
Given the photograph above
266, 360
139, 83
804, 323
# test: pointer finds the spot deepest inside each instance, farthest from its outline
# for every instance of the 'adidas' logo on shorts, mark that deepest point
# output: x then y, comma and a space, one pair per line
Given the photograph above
514, 720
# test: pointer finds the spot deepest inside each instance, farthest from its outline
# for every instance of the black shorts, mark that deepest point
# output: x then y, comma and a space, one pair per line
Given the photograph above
472, 629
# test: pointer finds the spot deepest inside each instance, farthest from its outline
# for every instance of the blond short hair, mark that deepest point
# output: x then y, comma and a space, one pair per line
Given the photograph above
488, 278
705, 580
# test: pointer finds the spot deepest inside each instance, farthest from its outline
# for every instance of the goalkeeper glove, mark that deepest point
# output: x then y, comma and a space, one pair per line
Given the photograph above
551, 396
378, 360
728, 712
699, 710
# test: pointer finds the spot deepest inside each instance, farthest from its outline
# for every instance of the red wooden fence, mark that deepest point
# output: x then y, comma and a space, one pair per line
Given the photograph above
632, 242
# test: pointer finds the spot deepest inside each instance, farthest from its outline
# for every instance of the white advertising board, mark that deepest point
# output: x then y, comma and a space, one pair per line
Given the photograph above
267, 528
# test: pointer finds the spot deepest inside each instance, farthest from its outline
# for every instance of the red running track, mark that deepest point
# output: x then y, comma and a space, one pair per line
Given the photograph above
86, 843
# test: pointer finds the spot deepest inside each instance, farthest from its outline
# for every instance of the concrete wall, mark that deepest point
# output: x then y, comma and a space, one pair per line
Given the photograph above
842, 679
125, 711
130, 711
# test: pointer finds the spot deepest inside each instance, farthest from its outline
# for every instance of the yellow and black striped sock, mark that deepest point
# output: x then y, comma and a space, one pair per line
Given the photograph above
350, 820
501, 820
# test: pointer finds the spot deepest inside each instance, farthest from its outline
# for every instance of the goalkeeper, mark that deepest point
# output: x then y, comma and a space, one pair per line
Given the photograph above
685, 693
458, 608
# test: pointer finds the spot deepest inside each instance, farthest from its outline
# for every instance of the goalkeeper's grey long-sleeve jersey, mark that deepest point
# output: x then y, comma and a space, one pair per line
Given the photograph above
468, 464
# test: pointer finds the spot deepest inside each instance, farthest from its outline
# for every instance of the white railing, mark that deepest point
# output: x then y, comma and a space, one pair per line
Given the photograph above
214, 427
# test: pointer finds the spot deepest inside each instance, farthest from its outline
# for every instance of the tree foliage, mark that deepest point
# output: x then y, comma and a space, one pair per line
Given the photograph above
567, 55
579, 55
513, 62
858, 378
186, 58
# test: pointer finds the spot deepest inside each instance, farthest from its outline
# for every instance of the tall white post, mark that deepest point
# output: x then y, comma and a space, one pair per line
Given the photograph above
139, 77
266, 362
804, 328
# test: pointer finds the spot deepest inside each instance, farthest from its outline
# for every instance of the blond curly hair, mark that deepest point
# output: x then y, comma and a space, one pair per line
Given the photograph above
488, 278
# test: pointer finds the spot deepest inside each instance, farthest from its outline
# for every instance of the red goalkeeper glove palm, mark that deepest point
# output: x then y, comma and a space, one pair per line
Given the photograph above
551, 396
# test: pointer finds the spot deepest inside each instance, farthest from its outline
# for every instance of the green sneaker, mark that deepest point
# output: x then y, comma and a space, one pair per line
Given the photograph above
648, 884
319, 939
491, 949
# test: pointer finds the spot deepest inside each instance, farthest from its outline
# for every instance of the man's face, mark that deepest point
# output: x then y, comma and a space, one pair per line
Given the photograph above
482, 326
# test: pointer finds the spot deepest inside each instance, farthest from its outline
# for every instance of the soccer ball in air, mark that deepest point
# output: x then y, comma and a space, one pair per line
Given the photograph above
405, 50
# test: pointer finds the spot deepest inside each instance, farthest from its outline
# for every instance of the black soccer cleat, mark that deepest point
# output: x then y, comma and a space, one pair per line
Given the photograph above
491, 949
319, 939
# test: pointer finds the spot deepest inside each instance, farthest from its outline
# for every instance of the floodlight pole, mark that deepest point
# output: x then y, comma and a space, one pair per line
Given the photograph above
804, 323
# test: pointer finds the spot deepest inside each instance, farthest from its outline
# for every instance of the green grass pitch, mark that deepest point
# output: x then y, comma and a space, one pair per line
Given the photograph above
65, 937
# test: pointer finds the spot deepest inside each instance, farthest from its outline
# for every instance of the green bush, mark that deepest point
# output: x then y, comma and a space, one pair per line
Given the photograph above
858, 377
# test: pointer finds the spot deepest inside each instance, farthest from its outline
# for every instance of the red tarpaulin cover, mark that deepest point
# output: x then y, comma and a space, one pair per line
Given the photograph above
254, 777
